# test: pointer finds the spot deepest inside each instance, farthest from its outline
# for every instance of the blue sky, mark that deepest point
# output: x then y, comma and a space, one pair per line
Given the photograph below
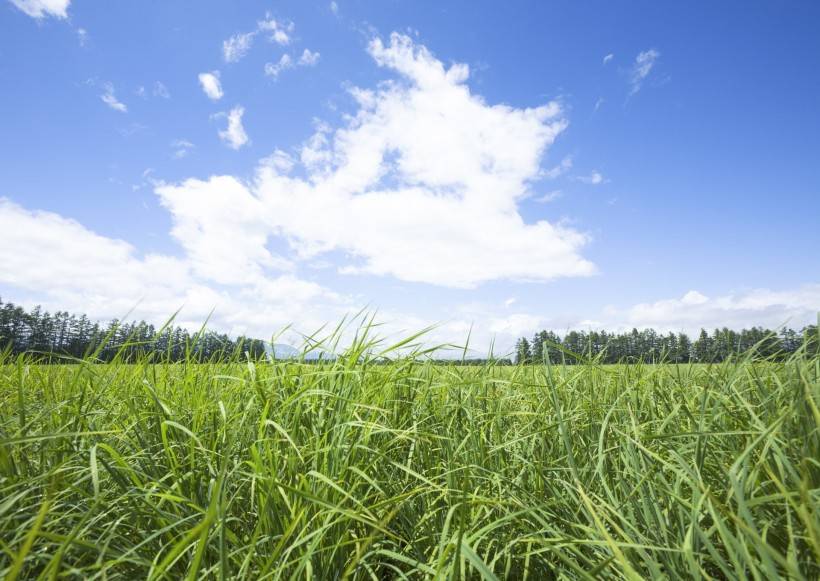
510, 166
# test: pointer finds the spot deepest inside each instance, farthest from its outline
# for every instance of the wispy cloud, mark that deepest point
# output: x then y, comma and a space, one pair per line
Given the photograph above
549, 197
181, 147
211, 85
334, 7
608, 58
160, 90
284, 63
234, 136
643, 65
308, 58
279, 32
41, 8
558, 170
595, 178
111, 100
238, 45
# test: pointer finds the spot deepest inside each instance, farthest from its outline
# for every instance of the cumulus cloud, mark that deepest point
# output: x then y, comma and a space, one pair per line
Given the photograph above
42, 8
227, 266
56, 253
643, 65
234, 135
422, 182
795, 307
215, 221
111, 100
65, 266
211, 85
757, 307
425, 169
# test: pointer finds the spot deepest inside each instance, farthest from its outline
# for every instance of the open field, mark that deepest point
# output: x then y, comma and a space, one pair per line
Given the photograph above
408, 469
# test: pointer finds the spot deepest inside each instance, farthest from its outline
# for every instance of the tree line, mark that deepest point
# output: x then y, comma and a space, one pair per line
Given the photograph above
650, 346
65, 334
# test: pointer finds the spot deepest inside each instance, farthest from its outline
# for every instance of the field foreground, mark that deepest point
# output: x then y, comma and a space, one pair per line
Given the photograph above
409, 469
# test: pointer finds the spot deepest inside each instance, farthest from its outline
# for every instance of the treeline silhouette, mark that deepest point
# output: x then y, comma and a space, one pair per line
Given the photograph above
650, 346
61, 334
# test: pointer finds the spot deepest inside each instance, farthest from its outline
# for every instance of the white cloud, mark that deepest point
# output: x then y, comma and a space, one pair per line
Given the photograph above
182, 147
595, 178
279, 161
82, 36
334, 7
237, 46
422, 183
558, 170
423, 169
215, 221
549, 197
160, 90
234, 135
211, 85
608, 58
110, 99
226, 265
308, 58
644, 63
274, 69
65, 266
757, 307
55, 252
42, 8
766, 308
279, 32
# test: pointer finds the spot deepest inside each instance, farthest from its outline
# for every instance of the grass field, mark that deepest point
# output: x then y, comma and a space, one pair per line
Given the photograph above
409, 470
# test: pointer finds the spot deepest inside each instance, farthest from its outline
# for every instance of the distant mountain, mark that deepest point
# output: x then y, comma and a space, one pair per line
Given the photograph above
281, 350
285, 351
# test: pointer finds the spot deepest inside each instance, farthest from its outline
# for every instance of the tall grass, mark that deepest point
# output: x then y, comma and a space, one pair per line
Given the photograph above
352, 468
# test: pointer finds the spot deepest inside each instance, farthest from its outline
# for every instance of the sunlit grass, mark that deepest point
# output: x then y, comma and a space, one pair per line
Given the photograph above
372, 470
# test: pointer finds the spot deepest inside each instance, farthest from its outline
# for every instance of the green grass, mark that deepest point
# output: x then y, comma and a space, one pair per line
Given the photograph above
409, 470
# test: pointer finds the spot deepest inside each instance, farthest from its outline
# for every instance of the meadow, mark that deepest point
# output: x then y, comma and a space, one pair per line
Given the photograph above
380, 465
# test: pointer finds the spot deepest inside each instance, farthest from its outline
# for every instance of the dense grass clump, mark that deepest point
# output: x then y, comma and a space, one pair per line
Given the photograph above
370, 470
